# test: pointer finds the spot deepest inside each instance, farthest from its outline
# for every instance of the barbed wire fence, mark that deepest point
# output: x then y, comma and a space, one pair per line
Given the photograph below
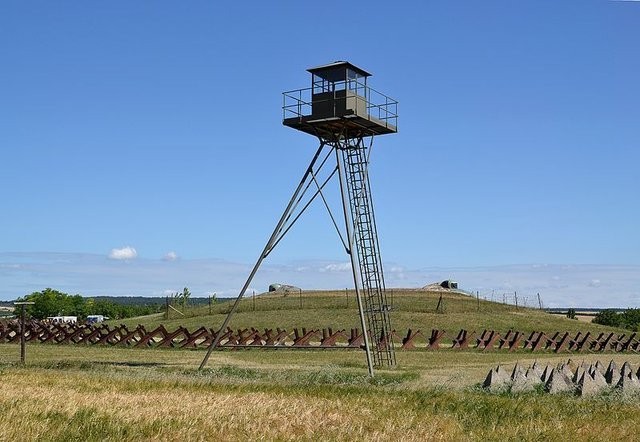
505, 297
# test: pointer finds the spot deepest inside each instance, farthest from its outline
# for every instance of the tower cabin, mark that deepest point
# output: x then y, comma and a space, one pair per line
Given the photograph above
339, 103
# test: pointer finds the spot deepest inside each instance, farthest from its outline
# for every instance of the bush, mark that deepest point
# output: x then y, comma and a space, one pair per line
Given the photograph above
629, 319
608, 317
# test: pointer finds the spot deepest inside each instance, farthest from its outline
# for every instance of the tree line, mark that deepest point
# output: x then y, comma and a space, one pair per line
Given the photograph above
50, 302
629, 319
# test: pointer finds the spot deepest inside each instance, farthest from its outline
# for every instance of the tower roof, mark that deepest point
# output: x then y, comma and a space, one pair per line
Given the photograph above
336, 65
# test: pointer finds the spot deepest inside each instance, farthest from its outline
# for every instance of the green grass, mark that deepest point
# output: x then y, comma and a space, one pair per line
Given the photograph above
412, 309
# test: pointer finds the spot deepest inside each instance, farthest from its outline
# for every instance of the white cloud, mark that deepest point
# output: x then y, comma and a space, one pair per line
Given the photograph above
594, 283
10, 266
123, 254
170, 256
339, 267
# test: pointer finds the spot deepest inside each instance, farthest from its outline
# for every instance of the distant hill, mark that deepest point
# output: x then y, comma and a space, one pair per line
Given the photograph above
149, 300
415, 309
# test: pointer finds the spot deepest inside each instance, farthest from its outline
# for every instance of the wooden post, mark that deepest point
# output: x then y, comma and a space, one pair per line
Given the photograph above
23, 338
515, 296
539, 301
166, 308
478, 298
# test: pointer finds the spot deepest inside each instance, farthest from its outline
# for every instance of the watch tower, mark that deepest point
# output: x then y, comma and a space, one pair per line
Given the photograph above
344, 114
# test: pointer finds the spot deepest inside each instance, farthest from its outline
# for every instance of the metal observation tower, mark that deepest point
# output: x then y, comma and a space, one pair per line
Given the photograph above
345, 115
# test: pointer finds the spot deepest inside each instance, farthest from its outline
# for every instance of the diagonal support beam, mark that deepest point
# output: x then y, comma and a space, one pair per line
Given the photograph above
272, 241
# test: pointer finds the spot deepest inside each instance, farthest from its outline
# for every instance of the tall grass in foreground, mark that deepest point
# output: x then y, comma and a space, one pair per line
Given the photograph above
85, 401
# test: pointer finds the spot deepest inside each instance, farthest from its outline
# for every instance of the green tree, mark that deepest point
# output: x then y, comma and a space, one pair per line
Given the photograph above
106, 308
76, 305
181, 298
185, 296
630, 319
608, 317
49, 302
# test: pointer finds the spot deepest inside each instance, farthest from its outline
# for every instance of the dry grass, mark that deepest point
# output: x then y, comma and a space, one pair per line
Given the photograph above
73, 393
117, 408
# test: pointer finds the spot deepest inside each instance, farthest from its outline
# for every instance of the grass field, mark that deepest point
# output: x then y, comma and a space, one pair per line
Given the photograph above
104, 393
72, 393
412, 309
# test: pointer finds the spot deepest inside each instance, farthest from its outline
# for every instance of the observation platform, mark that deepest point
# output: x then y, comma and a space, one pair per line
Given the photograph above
339, 100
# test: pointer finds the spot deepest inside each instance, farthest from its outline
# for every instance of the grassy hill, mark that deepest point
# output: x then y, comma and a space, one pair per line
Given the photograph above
412, 309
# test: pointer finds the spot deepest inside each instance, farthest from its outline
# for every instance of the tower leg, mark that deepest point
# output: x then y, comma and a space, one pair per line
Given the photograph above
362, 247
272, 240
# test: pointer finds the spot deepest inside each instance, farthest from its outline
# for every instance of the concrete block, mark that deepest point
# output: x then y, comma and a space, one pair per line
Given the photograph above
522, 383
628, 384
517, 370
533, 377
566, 370
584, 365
536, 369
626, 370
546, 374
587, 386
558, 382
496, 381
579, 373
599, 379
612, 375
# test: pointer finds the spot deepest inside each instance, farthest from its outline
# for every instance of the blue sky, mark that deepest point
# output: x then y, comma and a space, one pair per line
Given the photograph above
142, 150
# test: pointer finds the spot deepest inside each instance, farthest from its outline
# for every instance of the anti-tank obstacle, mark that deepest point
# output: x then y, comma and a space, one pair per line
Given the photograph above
566, 377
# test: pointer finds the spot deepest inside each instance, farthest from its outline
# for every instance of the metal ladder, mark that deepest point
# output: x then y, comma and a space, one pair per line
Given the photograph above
366, 244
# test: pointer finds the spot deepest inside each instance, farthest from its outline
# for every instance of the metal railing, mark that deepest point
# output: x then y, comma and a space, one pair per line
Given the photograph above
299, 103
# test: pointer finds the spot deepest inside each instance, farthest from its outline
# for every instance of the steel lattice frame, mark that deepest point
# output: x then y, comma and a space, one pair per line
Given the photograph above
351, 155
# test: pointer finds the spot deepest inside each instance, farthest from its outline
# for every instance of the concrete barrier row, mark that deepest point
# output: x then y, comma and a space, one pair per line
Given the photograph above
581, 379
